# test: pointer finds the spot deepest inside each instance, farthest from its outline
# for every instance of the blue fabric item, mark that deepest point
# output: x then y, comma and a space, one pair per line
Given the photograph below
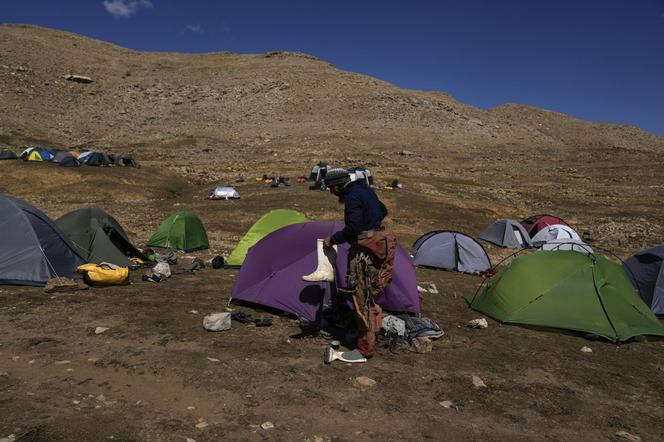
362, 211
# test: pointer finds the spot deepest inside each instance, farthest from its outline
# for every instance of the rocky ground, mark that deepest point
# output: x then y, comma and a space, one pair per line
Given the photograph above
194, 122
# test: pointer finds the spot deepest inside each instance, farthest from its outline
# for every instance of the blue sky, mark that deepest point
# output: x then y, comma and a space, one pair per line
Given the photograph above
596, 60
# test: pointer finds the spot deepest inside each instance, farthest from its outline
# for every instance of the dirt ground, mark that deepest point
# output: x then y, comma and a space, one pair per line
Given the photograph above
156, 373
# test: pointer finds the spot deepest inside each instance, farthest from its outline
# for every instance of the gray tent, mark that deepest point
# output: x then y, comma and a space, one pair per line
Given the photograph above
445, 249
6, 154
507, 233
32, 248
646, 271
66, 159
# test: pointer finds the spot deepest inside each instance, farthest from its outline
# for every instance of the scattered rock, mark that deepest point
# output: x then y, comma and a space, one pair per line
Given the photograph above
191, 407
267, 425
585, 349
212, 359
62, 362
190, 440
478, 382
15, 358
363, 381
100, 330
433, 289
195, 312
478, 323
217, 321
421, 344
10, 438
4, 374
627, 436
78, 78
201, 424
447, 404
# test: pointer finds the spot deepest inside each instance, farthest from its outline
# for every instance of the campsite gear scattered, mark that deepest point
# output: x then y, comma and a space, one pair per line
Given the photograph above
318, 172
353, 356
554, 232
217, 262
150, 276
280, 181
125, 160
326, 257
478, 323
535, 223
506, 233
361, 174
396, 184
6, 154
393, 326
163, 255
104, 274
181, 231
567, 290
271, 273
245, 318
645, 270
98, 237
32, 247
61, 284
217, 321
335, 344
266, 224
223, 193
162, 269
196, 264
417, 327
450, 250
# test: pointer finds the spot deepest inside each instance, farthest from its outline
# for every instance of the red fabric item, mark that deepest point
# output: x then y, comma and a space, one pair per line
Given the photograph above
537, 222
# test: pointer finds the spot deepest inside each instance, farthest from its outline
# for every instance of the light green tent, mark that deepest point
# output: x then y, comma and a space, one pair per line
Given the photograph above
182, 231
567, 290
268, 223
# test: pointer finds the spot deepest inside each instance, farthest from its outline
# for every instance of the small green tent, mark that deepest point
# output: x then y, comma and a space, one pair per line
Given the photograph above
268, 223
98, 237
567, 290
182, 231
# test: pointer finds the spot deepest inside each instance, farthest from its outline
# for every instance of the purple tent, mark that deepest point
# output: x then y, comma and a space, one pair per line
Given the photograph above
271, 274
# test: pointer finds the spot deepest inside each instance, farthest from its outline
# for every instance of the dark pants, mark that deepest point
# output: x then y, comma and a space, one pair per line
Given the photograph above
370, 262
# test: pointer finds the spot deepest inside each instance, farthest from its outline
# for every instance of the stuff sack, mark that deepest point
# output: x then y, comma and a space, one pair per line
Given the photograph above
104, 274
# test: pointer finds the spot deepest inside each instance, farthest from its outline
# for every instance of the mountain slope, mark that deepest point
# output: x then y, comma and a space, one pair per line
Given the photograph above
249, 101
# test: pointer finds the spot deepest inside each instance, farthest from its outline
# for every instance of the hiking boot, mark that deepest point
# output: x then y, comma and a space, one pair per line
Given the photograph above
326, 258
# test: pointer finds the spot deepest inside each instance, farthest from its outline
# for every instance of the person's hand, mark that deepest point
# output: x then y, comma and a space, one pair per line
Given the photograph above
327, 242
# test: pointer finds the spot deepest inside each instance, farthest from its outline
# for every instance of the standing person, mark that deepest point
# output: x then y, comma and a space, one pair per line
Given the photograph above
371, 253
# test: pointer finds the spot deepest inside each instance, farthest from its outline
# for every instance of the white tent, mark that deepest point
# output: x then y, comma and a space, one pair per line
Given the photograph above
555, 231
223, 193
575, 245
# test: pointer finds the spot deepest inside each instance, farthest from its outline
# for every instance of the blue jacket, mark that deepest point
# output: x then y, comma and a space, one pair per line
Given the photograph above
362, 211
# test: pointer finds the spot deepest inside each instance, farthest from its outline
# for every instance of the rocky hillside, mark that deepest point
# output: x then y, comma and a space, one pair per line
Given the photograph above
258, 103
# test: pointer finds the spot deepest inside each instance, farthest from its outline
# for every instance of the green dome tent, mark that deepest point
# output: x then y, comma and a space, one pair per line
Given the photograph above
268, 223
567, 290
98, 237
182, 231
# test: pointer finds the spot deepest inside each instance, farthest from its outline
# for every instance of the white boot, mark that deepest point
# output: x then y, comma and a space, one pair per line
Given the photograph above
326, 259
